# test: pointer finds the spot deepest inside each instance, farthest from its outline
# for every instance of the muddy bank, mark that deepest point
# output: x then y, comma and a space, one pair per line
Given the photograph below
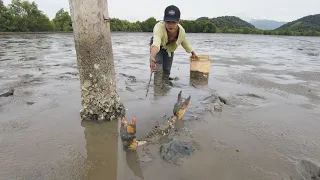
243, 123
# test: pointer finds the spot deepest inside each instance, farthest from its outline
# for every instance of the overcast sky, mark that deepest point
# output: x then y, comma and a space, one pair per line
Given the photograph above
280, 10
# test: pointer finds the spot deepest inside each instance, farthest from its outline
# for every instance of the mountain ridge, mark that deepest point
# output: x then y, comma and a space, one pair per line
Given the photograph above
310, 22
266, 24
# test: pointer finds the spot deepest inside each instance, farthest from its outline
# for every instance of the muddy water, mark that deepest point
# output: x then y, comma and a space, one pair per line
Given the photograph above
269, 130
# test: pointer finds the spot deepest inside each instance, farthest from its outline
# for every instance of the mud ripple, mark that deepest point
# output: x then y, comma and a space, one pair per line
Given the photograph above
14, 125
296, 89
312, 54
71, 166
221, 144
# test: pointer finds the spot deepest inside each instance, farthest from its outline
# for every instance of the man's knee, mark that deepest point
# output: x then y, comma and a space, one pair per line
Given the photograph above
159, 58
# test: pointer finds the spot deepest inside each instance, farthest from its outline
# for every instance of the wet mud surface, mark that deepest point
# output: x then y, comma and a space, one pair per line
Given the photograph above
257, 116
175, 150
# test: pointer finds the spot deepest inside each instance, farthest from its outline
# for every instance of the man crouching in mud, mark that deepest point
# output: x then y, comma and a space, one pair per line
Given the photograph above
167, 36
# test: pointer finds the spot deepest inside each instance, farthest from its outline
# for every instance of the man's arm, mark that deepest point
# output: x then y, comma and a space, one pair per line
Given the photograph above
157, 35
187, 46
155, 46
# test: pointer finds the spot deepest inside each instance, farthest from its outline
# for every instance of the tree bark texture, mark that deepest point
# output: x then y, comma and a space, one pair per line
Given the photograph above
91, 30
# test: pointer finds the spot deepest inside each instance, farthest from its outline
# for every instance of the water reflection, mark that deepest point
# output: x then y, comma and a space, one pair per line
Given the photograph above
133, 162
160, 85
199, 82
102, 153
102, 149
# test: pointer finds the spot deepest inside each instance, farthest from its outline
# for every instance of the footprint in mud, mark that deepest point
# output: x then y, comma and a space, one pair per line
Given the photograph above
248, 100
252, 95
309, 170
132, 79
129, 89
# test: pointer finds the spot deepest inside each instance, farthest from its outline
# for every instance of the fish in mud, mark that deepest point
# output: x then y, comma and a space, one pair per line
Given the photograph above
128, 129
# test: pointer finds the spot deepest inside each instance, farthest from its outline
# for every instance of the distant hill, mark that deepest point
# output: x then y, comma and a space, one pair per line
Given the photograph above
228, 22
307, 23
265, 24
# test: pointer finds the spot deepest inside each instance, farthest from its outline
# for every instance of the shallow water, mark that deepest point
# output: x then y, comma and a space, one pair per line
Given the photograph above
269, 130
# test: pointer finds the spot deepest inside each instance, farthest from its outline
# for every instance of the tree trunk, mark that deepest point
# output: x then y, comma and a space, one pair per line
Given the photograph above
91, 30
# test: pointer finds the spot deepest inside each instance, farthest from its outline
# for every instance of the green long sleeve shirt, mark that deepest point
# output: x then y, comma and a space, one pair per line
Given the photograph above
160, 38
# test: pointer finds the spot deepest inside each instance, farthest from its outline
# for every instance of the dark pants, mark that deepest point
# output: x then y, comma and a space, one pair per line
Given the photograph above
163, 61
163, 69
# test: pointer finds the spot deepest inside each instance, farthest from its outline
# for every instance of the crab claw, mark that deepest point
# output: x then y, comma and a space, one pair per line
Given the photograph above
131, 128
123, 121
179, 100
184, 107
186, 103
128, 134
133, 122
128, 127
180, 108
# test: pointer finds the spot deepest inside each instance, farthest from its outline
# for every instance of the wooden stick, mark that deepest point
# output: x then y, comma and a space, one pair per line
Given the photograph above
149, 83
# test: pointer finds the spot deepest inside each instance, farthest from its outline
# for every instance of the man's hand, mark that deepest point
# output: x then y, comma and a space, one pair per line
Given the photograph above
194, 55
152, 64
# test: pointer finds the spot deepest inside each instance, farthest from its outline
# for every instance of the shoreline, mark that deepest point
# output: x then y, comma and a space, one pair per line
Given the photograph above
42, 32
71, 32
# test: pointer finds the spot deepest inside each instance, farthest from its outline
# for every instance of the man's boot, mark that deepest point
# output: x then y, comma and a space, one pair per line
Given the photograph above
166, 79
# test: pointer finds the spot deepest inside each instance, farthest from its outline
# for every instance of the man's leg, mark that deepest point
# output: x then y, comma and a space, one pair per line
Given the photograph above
159, 87
167, 63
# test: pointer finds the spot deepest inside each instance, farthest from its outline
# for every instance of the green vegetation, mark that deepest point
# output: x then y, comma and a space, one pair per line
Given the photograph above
228, 22
306, 26
23, 16
62, 21
231, 24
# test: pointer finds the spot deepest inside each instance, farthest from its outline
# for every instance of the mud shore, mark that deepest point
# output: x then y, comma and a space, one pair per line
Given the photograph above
269, 129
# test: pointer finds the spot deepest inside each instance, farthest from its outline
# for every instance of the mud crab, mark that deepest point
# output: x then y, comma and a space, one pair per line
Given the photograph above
128, 129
